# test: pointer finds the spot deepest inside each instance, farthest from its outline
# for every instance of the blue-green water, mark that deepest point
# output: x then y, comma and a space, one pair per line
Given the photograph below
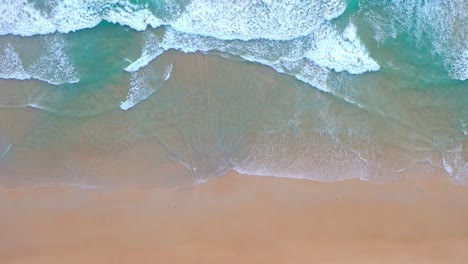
324, 90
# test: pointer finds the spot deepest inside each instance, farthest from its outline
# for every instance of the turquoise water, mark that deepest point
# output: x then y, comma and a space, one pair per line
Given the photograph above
323, 90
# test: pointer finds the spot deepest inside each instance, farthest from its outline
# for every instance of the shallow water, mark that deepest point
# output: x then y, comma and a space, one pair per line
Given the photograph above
98, 92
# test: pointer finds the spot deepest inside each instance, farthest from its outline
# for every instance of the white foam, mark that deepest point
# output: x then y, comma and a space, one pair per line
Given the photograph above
54, 66
73, 15
134, 18
308, 58
447, 167
272, 33
334, 8
459, 66
307, 72
464, 127
151, 50
143, 84
217, 18
167, 72
139, 90
143, 60
246, 20
442, 23
222, 20
11, 66
342, 53
309, 161
454, 163
20, 17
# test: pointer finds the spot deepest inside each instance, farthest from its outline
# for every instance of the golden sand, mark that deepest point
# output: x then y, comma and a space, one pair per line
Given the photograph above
238, 219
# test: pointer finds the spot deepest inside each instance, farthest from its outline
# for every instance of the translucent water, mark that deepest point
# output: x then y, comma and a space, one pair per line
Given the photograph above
98, 92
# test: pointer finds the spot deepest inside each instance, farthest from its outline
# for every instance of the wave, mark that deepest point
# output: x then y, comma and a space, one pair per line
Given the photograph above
144, 83
442, 24
302, 33
5, 146
326, 48
262, 19
151, 50
263, 32
21, 17
221, 19
276, 21
278, 34
11, 66
309, 58
270, 20
52, 66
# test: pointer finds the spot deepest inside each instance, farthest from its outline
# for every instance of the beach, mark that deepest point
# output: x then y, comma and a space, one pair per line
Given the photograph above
259, 131
238, 219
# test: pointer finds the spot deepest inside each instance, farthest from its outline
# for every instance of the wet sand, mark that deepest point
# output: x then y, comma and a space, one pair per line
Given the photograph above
238, 219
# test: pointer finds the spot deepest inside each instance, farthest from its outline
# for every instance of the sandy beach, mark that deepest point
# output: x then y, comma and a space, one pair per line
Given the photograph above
238, 219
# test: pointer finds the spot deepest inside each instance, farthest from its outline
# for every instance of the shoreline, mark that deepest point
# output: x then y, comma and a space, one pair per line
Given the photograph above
238, 219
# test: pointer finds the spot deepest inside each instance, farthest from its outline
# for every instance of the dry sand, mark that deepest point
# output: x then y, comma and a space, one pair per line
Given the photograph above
238, 219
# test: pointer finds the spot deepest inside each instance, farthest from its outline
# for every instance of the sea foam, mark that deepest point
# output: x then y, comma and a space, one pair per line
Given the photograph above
21, 17
246, 20
317, 53
440, 23
52, 66
11, 66
266, 32
144, 83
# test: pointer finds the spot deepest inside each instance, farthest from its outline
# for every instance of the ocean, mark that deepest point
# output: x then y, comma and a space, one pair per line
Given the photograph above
174, 92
